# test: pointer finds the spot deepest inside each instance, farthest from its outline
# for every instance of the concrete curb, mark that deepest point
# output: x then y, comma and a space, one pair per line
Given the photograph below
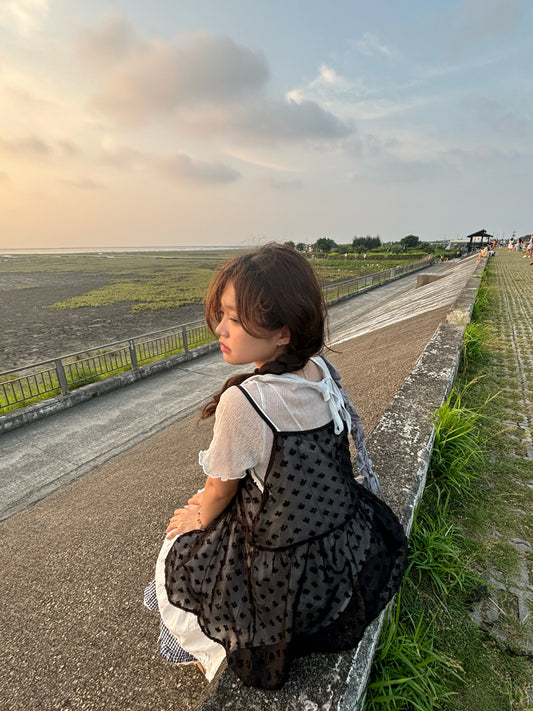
400, 447
25, 415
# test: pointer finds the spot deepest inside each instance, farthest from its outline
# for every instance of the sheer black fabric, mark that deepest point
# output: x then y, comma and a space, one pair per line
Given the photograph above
303, 566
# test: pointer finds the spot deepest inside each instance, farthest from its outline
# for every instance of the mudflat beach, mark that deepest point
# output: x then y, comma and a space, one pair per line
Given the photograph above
32, 331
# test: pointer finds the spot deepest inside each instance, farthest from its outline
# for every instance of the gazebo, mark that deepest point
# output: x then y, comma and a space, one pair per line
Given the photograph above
478, 239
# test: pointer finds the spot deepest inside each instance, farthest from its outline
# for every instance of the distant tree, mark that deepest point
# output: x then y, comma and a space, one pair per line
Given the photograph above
358, 244
301, 247
324, 244
365, 244
290, 243
396, 247
426, 247
409, 242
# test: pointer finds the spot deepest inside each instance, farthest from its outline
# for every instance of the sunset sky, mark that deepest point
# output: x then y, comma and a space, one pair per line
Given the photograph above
231, 122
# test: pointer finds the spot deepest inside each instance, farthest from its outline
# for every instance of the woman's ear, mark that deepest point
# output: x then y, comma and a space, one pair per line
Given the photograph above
285, 336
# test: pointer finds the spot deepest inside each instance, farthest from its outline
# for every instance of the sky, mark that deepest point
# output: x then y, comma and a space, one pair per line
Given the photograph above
236, 122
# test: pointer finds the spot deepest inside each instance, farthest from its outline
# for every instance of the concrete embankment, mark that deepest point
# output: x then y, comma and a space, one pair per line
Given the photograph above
74, 630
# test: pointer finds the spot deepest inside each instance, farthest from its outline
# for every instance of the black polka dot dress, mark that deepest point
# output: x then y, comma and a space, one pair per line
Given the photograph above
302, 566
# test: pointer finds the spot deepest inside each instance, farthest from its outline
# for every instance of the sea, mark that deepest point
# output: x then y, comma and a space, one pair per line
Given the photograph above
103, 250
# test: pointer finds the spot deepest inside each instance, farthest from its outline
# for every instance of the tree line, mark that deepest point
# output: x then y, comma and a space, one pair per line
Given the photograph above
360, 245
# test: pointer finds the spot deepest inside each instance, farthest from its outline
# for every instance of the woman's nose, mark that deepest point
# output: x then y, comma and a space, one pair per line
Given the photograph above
219, 328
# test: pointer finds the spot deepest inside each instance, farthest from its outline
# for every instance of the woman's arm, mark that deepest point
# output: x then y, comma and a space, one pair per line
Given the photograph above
236, 447
203, 508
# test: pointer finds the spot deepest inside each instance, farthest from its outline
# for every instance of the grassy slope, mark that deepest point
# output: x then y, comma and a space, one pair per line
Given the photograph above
462, 534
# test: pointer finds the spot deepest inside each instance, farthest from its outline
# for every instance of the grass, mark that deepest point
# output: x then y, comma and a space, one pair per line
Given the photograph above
438, 553
457, 455
413, 671
152, 281
461, 537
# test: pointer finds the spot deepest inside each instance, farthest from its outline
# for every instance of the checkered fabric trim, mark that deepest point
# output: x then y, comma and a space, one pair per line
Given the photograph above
169, 647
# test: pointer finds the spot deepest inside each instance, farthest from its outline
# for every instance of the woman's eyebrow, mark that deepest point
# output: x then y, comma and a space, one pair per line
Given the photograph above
227, 306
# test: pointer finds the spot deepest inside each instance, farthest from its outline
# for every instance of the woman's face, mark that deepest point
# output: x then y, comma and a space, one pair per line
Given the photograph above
239, 347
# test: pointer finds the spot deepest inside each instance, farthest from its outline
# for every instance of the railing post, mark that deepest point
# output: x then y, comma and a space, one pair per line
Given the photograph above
184, 339
61, 376
133, 355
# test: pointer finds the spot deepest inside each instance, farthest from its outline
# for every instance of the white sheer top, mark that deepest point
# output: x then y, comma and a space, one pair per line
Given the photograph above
243, 441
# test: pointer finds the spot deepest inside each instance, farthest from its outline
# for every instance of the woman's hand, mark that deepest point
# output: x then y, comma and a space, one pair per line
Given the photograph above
197, 498
213, 498
185, 519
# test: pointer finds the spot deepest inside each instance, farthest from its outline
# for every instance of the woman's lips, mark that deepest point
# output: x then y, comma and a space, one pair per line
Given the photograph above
224, 348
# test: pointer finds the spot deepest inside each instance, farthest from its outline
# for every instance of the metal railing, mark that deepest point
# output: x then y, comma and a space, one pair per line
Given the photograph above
58, 376
349, 286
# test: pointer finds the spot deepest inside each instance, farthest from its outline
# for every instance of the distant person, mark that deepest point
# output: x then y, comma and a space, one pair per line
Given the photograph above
283, 552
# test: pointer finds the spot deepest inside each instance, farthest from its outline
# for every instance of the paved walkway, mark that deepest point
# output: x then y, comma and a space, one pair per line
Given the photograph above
507, 613
74, 632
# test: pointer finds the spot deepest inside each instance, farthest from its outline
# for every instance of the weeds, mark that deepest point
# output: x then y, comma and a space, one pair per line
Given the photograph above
414, 674
457, 456
474, 352
437, 553
410, 672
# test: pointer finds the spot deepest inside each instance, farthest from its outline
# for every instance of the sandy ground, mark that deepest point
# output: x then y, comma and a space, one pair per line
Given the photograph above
74, 632
30, 331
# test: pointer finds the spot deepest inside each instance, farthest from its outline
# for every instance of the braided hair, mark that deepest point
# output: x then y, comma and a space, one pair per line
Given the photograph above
275, 286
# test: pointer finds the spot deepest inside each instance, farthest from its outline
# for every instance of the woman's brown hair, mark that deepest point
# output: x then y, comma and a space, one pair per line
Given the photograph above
275, 286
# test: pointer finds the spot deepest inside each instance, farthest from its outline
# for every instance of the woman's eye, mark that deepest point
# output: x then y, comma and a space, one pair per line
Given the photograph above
234, 320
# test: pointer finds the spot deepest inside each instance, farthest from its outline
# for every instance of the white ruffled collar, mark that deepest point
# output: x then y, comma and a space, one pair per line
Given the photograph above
327, 387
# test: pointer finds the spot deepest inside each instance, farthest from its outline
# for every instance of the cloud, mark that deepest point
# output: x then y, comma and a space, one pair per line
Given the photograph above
68, 148
84, 184
122, 157
328, 77
182, 167
23, 16
486, 157
499, 117
111, 41
370, 45
254, 159
479, 19
288, 121
29, 146
196, 69
209, 84
282, 184
329, 86
393, 169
